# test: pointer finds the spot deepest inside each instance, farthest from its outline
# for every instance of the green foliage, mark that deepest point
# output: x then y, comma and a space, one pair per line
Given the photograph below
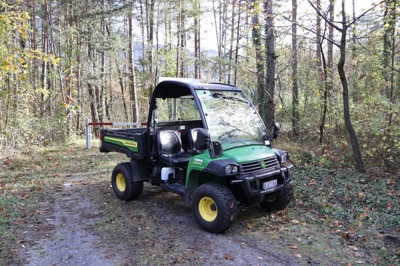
47, 86
351, 198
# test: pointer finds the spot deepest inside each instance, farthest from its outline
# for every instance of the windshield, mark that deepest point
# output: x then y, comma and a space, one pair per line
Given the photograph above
231, 119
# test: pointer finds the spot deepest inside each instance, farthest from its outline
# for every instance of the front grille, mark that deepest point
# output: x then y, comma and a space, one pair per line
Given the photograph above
256, 166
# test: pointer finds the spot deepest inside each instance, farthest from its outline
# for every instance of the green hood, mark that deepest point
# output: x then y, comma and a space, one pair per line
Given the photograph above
249, 153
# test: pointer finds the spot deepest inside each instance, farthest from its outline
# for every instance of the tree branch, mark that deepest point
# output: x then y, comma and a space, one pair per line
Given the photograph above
327, 20
311, 30
363, 14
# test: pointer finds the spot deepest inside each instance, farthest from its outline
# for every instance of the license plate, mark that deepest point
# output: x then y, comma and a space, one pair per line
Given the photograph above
270, 184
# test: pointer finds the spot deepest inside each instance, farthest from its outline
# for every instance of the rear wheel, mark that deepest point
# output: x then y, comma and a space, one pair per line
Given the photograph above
122, 183
214, 207
278, 202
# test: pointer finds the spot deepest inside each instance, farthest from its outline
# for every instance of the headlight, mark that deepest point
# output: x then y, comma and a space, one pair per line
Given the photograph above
231, 169
284, 157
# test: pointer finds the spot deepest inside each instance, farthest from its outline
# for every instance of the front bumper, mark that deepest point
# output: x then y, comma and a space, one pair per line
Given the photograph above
252, 184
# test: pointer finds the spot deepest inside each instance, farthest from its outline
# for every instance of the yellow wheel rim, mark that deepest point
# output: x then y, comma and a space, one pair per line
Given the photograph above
208, 209
120, 181
271, 198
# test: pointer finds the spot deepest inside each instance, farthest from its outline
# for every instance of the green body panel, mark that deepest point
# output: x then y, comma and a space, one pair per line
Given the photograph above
198, 163
239, 155
131, 145
248, 153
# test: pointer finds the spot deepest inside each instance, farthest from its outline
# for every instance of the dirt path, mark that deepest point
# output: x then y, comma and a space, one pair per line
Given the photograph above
87, 225
71, 240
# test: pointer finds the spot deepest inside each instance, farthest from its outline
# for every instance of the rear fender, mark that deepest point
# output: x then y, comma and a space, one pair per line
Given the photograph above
140, 170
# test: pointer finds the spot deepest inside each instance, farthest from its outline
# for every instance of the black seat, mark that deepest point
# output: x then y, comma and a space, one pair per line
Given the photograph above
170, 149
196, 145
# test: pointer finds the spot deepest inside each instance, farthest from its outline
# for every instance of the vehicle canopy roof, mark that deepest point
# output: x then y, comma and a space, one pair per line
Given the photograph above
177, 88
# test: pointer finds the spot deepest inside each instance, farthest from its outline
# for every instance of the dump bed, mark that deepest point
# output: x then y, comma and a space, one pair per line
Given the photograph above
131, 141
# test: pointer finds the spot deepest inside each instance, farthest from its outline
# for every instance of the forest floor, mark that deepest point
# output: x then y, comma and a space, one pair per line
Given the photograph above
57, 208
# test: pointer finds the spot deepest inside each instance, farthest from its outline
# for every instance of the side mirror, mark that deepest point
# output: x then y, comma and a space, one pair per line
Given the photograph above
201, 141
200, 137
276, 130
215, 149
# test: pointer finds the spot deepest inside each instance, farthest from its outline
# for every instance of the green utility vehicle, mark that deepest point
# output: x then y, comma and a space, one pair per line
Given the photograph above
207, 143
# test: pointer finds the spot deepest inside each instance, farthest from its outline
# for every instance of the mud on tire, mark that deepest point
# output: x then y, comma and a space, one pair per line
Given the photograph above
278, 202
122, 183
214, 207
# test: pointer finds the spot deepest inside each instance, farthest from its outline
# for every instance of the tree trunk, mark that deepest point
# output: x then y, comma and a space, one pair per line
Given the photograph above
196, 7
44, 62
218, 36
78, 83
268, 105
346, 110
319, 43
92, 92
182, 40
70, 73
326, 70
388, 34
35, 64
256, 36
150, 42
121, 85
102, 68
232, 38
131, 71
237, 44
295, 87
178, 52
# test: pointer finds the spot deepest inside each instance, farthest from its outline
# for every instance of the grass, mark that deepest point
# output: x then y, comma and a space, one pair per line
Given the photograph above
338, 216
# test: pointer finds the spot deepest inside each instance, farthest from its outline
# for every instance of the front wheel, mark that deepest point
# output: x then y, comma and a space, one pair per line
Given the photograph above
122, 183
214, 207
278, 202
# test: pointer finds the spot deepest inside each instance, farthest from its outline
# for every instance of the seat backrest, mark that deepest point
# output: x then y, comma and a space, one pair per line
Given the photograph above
168, 142
195, 142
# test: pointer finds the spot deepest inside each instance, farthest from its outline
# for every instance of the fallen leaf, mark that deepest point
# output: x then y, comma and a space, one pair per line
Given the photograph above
359, 255
293, 247
108, 255
19, 220
312, 182
229, 257
352, 247
391, 181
